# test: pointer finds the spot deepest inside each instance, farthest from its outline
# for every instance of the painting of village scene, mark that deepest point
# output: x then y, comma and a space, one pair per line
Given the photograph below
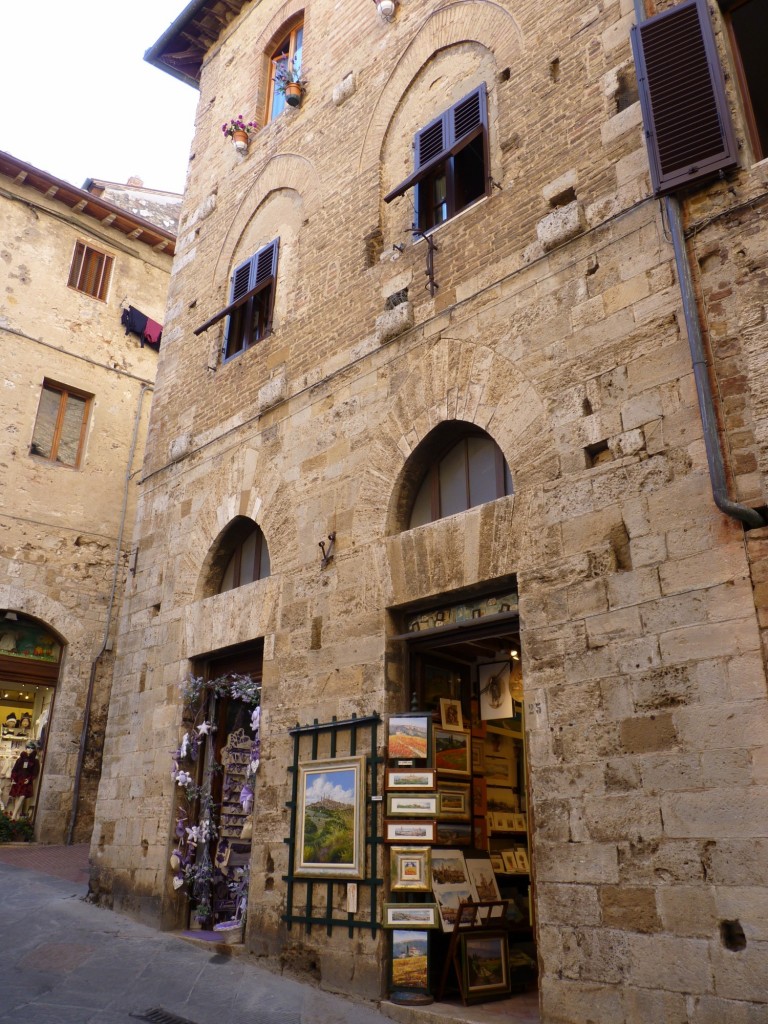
485, 965
408, 737
409, 959
330, 831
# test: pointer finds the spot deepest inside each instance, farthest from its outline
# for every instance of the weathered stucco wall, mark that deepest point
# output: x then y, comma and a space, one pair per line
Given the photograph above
59, 525
557, 327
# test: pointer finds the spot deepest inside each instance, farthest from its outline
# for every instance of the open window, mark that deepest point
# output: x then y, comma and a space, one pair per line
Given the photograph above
60, 426
251, 301
747, 22
451, 163
286, 54
249, 560
685, 111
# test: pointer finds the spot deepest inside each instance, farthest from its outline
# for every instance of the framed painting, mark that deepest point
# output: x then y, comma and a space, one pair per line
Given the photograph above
453, 751
503, 799
450, 714
412, 805
498, 769
497, 863
520, 822
330, 839
409, 869
453, 801
453, 833
410, 915
411, 778
522, 859
484, 965
409, 739
478, 758
413, 831
495, 692
410, 959
509, 857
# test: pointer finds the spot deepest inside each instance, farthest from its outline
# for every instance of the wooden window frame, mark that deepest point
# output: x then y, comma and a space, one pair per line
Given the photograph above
80, 271
682, 97
436, 146
432, 478
289, 36
63, 391
759, 142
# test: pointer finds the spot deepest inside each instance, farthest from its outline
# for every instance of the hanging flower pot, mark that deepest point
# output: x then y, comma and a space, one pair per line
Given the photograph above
240, 140
240, 131
293, 93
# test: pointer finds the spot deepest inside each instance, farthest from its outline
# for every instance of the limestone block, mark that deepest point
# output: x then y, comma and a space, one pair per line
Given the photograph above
630, 908
394, 322
574, 1002
743, 974
274, 391
723, 813
562, 224
688, 910
670, 962
346, 87
643, 1005
577, 862
568, 904
715, 1010
180, 446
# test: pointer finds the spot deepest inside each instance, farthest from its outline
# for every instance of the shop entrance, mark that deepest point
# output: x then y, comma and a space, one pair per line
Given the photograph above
463, 668
30, 656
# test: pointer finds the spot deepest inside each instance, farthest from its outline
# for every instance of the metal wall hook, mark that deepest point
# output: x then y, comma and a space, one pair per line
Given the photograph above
327, 555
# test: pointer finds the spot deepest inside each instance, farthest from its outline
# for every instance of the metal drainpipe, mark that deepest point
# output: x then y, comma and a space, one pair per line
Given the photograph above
714, 450
107, 627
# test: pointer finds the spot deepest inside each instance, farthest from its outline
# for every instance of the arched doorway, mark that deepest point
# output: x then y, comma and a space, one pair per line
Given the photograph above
30, 657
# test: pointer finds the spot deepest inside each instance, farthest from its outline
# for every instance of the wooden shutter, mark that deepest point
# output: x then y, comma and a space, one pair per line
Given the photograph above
250, 278
685, 112
443, 137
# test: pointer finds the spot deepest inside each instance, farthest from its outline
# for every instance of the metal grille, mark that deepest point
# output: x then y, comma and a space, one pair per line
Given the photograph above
272, 1016
160, 1016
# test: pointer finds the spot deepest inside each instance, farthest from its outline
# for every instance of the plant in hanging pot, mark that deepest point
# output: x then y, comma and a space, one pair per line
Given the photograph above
289, 82
240, 131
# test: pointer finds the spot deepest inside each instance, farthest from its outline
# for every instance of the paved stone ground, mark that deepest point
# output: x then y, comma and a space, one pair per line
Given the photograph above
65, 961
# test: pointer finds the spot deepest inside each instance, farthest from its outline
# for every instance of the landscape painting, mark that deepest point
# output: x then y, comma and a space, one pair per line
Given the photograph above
453, 754
408, 737
485, 965
329, 841
409, 959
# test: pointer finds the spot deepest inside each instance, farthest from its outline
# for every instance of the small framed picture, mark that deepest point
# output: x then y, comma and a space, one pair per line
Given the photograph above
453, 752
453, 801
409, 869
498, 769
411, 915
412, 805
478, 758
409, 832
497, 863
409, 738
509, 857
411, 778
481, 874
495, 693
450, 714
454, 833
502, 799
485, 965
522, 859
519, 823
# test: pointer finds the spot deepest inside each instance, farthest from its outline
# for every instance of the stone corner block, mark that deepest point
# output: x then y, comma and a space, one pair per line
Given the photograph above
561, 225
394, 322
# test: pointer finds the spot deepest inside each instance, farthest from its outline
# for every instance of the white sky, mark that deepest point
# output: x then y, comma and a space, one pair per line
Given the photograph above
77, 98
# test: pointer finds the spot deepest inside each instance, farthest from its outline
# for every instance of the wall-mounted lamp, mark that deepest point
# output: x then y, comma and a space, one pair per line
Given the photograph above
327, 554
386, 9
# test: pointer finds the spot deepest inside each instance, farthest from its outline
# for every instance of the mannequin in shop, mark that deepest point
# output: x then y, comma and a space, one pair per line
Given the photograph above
23, 776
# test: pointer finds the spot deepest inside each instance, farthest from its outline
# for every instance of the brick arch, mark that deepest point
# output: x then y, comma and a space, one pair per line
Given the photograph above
247, 486
462, 21
274, 30
55, 616
455, 380
283, 172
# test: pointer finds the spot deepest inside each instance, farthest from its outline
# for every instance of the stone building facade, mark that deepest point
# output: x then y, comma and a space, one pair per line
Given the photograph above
545, 313
76, 397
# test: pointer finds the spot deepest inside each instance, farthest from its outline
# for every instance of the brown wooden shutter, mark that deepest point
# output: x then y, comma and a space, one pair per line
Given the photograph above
685, 112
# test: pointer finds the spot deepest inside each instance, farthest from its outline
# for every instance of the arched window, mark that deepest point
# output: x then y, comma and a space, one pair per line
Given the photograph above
470, 472
249, 560
286, 54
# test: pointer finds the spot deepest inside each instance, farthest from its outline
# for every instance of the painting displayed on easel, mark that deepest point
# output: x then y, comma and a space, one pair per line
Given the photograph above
485, 965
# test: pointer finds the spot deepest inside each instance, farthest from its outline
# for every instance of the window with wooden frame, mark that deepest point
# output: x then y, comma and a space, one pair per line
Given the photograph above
287, 52
250, 559
251, 301
91, 271
451, 162
747, 22
470, 472
682, 96
60, 426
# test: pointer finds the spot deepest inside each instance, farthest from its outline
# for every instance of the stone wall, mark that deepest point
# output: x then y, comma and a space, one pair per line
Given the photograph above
60, 525
557, 327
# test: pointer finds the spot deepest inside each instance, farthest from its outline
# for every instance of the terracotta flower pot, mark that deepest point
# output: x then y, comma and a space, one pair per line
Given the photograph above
293, 93
240, 140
